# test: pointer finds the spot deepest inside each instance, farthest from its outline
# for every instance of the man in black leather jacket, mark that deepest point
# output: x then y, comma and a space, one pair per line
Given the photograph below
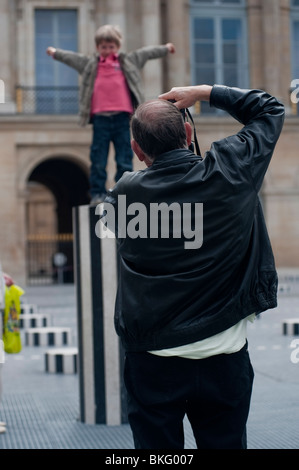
195, 265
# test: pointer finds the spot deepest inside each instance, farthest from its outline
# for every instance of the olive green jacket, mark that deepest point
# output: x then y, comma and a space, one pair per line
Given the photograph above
131, 65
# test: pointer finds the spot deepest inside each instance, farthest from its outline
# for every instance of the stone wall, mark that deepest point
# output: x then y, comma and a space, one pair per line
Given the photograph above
26, 141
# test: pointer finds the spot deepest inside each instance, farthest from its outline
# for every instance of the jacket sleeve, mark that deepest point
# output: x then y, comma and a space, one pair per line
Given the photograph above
73, 59
141, 56
263, 118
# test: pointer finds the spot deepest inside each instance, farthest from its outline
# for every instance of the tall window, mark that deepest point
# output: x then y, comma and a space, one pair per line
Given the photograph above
56, 83
219, 44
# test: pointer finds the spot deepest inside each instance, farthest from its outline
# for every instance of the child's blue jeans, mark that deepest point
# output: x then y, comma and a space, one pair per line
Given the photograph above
106, 129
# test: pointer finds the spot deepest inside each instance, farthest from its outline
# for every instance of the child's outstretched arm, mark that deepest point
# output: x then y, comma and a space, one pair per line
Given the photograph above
73, 59
142, 55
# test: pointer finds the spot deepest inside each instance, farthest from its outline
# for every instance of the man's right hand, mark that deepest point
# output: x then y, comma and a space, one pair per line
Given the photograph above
185, 97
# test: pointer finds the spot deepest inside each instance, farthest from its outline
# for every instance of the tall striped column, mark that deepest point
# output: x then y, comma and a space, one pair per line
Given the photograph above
102, 395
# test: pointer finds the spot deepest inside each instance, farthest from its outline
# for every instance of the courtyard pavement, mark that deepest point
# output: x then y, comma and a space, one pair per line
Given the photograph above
41, 410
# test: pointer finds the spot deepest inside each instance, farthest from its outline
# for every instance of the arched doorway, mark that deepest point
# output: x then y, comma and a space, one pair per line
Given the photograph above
54, 187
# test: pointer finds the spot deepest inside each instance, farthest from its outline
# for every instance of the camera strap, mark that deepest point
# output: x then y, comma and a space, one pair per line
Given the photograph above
185, 112
194, 130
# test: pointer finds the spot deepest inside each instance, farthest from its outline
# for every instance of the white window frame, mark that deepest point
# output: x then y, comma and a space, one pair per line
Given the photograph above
25, 33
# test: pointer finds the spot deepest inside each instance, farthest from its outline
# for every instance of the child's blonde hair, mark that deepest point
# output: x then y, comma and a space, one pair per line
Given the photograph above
108, 33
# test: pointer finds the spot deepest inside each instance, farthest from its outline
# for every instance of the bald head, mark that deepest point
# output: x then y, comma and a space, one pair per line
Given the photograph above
158, 127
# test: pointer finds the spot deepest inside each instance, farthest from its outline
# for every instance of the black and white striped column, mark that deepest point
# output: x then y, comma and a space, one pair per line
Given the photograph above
32, 320
48, 336
28, 308
102, 395
291, 327
63, 360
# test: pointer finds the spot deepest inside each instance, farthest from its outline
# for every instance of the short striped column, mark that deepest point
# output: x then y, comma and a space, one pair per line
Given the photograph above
102, 392
48, 336
34, 320
28, 308
291, 327
61, 360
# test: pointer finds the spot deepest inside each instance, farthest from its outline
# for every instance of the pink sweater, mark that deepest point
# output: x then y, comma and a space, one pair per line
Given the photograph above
111, 92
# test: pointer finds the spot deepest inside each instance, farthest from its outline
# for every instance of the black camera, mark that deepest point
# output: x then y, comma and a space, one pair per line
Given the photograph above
182, 110
186, 113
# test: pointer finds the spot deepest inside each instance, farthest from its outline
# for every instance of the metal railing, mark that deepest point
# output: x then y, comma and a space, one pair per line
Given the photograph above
47, 100
40, 259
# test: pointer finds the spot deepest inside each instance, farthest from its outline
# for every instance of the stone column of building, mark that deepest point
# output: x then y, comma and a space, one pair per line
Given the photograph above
279, 192
285, 52
255, 39
177, 26
276, 47
271, 49
151, 27
7, 67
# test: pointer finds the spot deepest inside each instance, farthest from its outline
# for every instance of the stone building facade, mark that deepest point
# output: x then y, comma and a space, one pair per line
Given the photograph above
45, 154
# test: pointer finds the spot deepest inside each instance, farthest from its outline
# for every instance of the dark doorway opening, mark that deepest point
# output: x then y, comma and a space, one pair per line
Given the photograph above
51, 233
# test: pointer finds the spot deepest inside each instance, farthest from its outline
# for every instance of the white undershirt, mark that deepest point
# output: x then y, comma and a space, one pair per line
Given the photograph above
226, 342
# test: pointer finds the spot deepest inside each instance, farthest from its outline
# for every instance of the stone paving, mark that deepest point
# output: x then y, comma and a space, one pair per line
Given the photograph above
41, 409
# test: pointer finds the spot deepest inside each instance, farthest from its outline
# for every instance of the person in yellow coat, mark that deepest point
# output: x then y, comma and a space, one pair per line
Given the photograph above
10, 310
11, 324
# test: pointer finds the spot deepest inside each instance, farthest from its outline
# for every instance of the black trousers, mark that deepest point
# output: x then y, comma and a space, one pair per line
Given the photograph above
214, 393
